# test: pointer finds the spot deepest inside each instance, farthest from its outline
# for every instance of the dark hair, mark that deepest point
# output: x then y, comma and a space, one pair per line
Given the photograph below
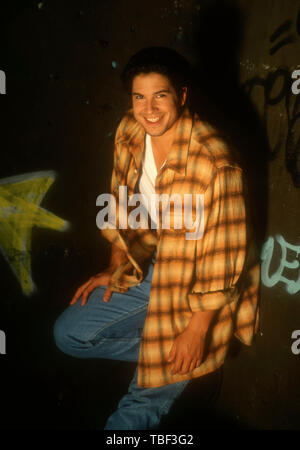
161, 60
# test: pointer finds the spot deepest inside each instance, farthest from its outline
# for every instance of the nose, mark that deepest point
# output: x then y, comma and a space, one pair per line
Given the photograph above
150, 106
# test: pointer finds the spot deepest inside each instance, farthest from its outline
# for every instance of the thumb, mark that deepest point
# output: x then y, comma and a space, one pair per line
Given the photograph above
171, 354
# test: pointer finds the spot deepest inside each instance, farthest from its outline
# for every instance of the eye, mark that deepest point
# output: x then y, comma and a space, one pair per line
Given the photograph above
161, 95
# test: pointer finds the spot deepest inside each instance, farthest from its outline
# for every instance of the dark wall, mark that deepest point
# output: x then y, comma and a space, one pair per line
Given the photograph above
63, 101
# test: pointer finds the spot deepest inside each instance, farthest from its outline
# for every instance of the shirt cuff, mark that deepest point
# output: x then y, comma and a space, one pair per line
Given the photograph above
202, 301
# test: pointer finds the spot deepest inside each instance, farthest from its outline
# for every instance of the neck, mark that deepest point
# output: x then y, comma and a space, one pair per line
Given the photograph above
165, 141
162, 141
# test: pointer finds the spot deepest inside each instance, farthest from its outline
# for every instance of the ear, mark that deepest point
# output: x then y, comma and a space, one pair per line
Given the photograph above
183, 95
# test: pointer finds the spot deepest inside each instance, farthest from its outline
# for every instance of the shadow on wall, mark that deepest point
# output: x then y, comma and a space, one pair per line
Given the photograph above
218, 97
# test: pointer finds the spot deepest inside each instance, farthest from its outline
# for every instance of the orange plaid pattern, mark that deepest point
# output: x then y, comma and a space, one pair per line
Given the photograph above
219, 271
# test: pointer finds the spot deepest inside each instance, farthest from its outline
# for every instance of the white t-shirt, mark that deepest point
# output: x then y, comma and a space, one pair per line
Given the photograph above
147, 180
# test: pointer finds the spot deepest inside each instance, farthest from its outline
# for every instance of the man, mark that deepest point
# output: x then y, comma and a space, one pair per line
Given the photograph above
170, 303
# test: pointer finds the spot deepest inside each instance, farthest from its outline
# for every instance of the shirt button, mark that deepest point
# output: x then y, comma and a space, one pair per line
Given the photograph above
135, 171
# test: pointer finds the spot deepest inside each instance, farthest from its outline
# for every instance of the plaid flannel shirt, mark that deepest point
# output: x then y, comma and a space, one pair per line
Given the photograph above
219, 271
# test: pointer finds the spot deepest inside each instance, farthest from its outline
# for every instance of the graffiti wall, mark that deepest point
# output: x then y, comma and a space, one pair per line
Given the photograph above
61, 101
269, 73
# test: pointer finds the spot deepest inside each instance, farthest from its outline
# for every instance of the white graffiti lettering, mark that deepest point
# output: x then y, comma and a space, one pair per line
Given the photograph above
292, 286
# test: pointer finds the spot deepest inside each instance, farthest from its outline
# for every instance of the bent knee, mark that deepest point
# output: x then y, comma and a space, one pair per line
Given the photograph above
62, 334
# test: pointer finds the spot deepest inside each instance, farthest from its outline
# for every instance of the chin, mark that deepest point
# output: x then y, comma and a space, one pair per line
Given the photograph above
155, 133
159, 131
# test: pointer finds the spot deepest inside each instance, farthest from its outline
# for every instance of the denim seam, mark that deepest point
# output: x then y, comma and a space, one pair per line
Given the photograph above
119, 339
131, 314
104, 340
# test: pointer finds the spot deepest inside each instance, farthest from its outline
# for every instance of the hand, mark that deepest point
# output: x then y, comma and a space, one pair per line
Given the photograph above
187, 351
101, 279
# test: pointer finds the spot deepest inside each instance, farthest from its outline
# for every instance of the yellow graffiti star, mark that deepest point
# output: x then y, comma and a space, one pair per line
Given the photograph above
20, 197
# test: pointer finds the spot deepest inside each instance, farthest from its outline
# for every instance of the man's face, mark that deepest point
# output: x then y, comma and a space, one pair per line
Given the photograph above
156, 105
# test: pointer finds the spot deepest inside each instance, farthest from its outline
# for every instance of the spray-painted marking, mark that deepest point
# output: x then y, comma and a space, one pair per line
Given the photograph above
20, 197
292, 286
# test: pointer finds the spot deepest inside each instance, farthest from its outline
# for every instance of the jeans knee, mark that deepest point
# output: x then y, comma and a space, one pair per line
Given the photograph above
61, 336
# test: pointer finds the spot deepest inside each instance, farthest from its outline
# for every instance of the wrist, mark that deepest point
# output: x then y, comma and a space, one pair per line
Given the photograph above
197, 330
200, 321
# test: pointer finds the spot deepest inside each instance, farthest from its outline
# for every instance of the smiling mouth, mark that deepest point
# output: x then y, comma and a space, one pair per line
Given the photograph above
152, 120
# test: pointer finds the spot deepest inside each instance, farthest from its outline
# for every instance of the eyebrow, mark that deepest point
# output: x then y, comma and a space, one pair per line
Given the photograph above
158, 92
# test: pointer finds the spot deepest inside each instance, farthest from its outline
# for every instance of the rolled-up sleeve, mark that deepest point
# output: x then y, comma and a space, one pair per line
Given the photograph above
220, 254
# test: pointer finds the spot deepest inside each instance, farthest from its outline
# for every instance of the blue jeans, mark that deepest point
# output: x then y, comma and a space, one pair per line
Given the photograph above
113, 330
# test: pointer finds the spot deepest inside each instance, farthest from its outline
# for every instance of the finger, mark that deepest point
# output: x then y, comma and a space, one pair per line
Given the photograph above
87, 292
193, 365
79, 292
172, 353
185, 365
107, 294
177, 364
